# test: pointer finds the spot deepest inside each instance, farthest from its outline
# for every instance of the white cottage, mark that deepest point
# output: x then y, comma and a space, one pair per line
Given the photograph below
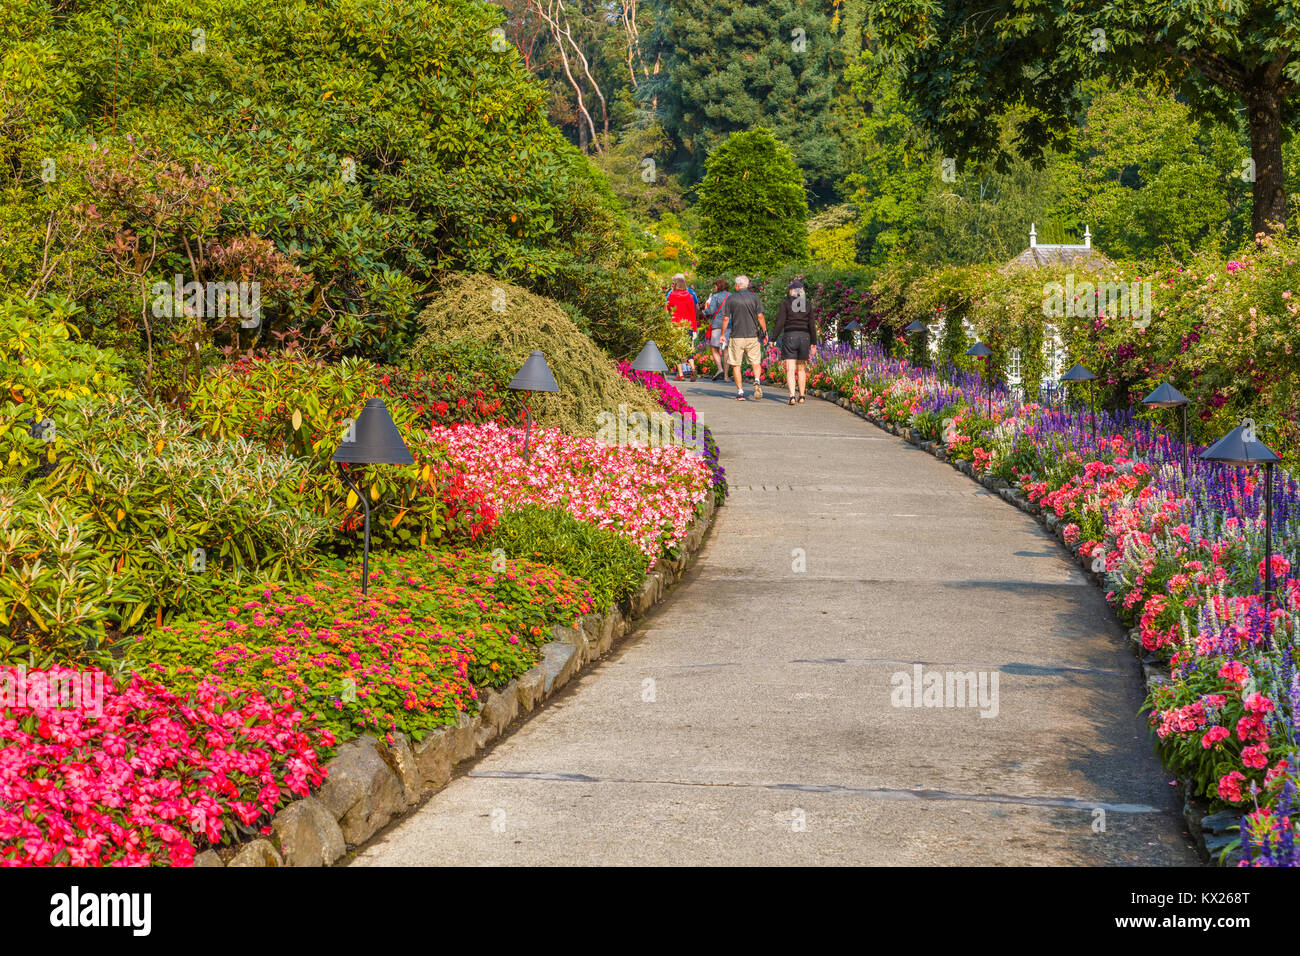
1054, 255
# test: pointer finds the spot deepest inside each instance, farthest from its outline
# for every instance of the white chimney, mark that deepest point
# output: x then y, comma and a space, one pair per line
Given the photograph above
1087, 237
1033, 236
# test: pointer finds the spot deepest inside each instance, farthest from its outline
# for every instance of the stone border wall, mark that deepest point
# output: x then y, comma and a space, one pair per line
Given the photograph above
1210, 831
371, 783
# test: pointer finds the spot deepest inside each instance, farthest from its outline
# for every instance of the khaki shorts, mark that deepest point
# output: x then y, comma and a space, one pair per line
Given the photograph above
738, 349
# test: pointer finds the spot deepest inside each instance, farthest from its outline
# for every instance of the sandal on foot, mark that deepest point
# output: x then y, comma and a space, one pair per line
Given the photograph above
800, 399
792, 400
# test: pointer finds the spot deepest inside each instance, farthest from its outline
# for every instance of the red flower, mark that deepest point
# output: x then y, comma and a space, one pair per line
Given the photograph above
1230, 786
1213, 736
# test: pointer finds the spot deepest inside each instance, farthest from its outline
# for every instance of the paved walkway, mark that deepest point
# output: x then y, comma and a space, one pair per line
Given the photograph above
771, 736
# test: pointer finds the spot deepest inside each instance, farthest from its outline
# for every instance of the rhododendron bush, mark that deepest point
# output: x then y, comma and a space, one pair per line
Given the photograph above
1183, 563
147, 775
650, 495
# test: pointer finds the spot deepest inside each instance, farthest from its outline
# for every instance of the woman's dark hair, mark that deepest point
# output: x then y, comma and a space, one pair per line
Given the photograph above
720, 285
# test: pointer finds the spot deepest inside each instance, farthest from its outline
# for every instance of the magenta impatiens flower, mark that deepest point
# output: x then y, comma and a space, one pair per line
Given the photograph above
149, 778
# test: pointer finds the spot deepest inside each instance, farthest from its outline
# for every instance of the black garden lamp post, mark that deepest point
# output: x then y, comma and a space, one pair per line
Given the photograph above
649, 359
1242, 448
980, 350
373, 439
1080, 374
1166, 396
535, 376
916, 327
852, 327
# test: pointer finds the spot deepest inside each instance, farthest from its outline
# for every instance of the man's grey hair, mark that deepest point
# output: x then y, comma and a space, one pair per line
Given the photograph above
742, 282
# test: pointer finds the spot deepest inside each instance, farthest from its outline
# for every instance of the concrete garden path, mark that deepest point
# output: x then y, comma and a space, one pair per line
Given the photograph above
750, 720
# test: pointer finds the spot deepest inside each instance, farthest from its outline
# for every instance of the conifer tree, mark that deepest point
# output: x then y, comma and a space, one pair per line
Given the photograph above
735, 65
752, 206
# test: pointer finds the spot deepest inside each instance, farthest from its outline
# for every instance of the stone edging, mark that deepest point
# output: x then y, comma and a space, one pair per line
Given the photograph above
370, 783
1210, 831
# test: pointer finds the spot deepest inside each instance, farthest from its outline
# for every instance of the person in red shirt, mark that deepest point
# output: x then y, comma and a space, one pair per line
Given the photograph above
681, 306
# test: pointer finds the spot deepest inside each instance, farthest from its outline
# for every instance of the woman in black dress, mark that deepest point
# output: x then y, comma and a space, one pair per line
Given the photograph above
797, 330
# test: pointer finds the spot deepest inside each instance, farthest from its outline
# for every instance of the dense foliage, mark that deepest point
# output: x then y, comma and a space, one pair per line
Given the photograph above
609, 564
344, 154
44, 373
752, 206
140, 515
733, 67
1224, 332
1026, 66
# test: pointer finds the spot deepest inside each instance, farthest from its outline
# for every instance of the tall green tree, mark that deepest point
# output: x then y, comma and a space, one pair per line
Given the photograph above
753, 211
969, 66
891, 165
1152, 182
734, 65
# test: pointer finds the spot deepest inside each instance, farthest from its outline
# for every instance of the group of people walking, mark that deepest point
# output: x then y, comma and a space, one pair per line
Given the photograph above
734, 321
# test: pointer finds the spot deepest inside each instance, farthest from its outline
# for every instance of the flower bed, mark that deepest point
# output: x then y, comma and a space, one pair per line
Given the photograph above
227, 717
674, 402
212, 722
136, 784
434, 629
1183, 564
649, 495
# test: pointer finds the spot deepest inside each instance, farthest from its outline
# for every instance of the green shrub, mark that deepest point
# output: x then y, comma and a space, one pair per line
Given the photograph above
513, 322
610, 564
55, 591
752, 207
140, 515
43, 373
303, 408
374, 144
462, 381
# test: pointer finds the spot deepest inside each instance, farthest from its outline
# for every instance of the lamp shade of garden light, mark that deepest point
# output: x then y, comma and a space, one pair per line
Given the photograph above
853, 328
1080, 374
373, 439
533, 376
980, 350
649, 359
1166, 396
1241, 447
917, 327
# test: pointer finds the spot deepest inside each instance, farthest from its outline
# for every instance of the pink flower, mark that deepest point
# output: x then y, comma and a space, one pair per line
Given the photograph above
1253, 756
1235, 672
1213, 736
1229, 787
